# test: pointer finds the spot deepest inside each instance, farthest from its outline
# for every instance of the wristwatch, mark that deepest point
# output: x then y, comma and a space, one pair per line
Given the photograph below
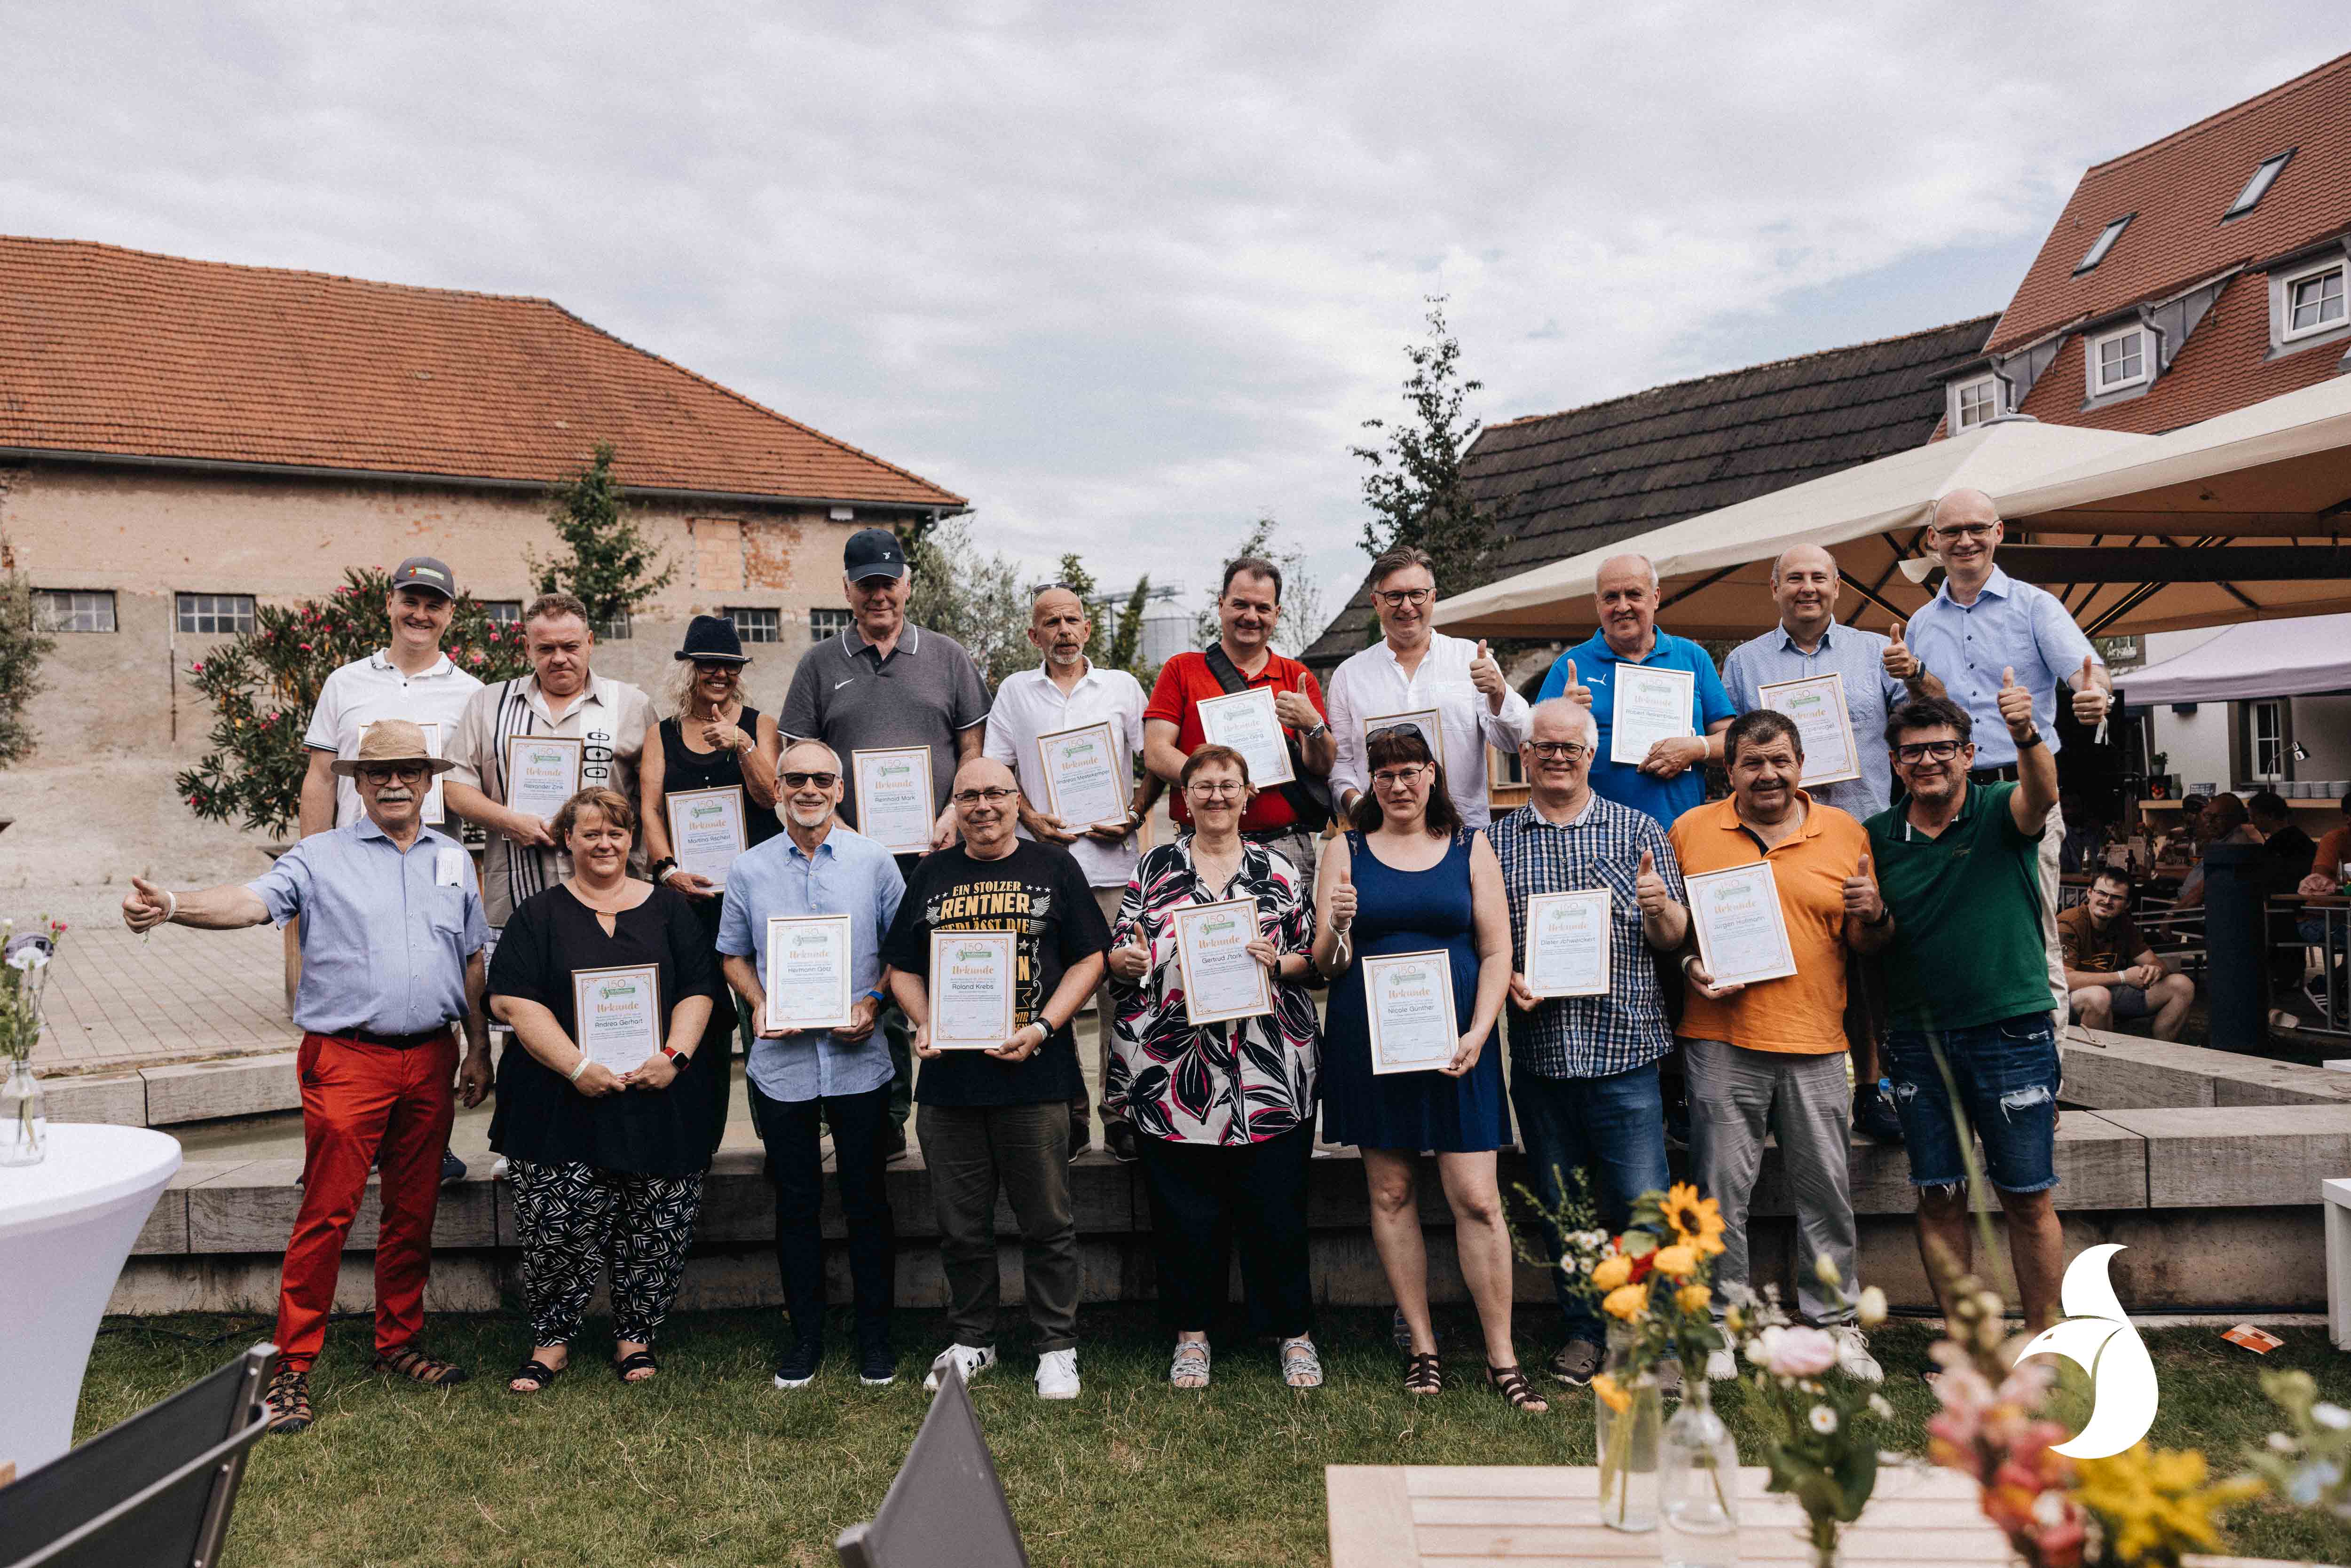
2029, 739
678, 1058
1316, 733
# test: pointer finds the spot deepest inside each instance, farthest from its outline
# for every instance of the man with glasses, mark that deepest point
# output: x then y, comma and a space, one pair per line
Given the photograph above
1583, 1069
2114, 973
1066, 692
1967, 982
392, 941
1413, 668
999, 1120
1982, 622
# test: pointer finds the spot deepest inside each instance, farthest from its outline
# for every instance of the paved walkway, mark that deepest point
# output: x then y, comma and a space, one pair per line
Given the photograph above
116, 1001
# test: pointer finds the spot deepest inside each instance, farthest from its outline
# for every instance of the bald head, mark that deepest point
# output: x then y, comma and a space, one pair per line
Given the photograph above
1804, 586
987, 823
1964, 531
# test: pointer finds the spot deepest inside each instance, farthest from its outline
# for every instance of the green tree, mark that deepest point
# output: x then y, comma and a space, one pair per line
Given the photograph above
1302, 596
975, 598
1125, 650
22, 647
1414, 488
608, 564
264, 685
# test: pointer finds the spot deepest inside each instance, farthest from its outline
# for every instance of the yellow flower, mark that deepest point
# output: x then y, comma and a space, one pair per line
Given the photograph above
1626, 1301
1610, 1273
1680, 1260
1612, 1394
2154, 1502
1696, 1220
1693, 1298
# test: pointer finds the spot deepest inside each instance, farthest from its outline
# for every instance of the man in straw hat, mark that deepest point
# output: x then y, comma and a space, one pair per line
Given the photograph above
391, 959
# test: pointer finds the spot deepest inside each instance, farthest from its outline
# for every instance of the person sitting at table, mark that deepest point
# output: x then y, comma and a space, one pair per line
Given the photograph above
2113, 972
1223, 1113
606, 1160
2223, 821
1409, 878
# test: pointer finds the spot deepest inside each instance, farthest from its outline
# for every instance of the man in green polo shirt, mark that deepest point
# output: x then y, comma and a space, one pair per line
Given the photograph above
1967, 977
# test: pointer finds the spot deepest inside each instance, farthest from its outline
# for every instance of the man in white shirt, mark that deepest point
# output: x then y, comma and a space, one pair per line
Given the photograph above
1069, 691
1416, 667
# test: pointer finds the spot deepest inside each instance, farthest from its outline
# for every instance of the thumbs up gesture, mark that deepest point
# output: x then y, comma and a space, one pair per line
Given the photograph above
146, 906
2091, 701
1341, 914
2015, 704
1486, 675
1575, 690
1649, 889
1861, 897
1900, 661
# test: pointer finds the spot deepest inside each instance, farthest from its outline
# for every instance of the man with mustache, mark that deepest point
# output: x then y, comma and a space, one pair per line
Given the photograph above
392, 937
1065, 692
1768, 1059
802, 1082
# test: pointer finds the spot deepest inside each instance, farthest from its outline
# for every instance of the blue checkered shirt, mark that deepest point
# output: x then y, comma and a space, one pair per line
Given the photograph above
1588, 1037
1870, 694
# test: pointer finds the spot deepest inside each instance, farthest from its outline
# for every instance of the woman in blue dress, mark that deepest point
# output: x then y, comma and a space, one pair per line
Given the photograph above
1410, 878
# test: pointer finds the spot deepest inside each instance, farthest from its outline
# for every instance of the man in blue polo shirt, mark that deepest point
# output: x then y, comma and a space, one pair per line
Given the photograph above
1667, 781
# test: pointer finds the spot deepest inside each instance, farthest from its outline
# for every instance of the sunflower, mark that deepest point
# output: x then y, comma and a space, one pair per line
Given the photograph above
1696, 1221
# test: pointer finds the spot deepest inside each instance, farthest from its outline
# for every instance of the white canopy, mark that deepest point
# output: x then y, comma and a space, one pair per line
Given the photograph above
2273, 659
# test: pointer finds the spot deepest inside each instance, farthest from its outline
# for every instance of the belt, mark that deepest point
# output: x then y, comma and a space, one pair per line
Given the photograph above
2006, 775
395, 1041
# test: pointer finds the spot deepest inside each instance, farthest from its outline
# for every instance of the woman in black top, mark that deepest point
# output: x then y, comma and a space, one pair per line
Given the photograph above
604, 1161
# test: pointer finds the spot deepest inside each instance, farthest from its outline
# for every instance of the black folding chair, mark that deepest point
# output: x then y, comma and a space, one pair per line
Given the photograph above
945, 1508
153, 1492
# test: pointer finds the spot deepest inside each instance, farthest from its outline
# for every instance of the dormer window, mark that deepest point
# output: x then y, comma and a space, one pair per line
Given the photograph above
1973, 402
2102, 244
2258, 186
2313, 302
2118, 360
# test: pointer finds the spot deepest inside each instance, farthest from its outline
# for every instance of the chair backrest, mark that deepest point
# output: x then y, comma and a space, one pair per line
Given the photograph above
153, 1492
945, 1508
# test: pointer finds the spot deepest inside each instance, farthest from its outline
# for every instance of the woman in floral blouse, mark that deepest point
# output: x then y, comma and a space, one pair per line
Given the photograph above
1223, 1113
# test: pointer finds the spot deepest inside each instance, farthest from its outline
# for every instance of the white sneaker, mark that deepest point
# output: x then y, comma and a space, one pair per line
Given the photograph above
971, 1359
1057, 1375
1721, 1366
1853, 1356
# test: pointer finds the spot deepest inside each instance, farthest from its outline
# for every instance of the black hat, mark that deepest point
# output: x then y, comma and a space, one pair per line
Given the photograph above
872, 552
424, 571
711, 639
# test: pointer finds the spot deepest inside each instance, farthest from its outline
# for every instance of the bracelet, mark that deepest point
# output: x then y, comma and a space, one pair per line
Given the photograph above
876, 995
663, 867
573, 1077
171, 912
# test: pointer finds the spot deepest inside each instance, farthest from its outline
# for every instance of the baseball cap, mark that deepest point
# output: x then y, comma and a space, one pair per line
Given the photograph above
424, 571
872, 552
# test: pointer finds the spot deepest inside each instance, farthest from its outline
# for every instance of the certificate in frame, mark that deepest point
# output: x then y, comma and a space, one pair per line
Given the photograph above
1249, 724
616, 1015
538, 768
707, 829
889, 782
797, 946
1742, 933
1201, 928
1079, 751
1816, 706
971, 985
1564, 917
1408, 1007
1650, 706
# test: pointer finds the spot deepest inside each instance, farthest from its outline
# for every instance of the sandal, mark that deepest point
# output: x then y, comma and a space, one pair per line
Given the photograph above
1191, 1362
1424, 1374
1302, 1366
1511, 1384
635, 1360
289, 1400
536, 1373
415, 1365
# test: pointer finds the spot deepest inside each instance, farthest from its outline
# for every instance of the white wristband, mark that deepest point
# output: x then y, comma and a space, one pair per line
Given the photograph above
580, 1068
172, 909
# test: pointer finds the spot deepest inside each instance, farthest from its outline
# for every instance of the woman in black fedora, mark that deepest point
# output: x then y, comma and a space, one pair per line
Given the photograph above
711, 741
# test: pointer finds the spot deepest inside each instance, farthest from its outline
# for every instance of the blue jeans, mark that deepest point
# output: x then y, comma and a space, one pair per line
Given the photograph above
2008, 1074
1612, 1128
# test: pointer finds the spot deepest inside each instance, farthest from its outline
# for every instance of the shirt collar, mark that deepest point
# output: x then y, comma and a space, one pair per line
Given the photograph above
1536, 818
910, 640
1732, 822
381, 660
365, 828
1045, 671
1996, 586
792, 845
1661, 642
1788, 638
592, 691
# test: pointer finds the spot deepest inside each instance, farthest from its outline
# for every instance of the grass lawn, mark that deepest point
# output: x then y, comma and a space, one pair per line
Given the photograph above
709, 1465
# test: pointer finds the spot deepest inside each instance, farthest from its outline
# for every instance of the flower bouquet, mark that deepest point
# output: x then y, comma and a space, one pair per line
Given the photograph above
2311, 1465
23, 977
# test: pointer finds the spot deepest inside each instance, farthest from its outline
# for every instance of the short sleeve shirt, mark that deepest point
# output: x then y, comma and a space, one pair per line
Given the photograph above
2097, 952
1966, 947
1184, 681
1595, 666
1027, 704
1038, 893
365, 690
926, 693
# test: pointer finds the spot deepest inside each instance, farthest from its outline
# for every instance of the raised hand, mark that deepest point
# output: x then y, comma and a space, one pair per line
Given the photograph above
1342, 901
1130, 963
1861, 897
1649, 889
2090, 703
145, 906
1575, 691
2015, 705
1486, 675
1900, 661
1295, 711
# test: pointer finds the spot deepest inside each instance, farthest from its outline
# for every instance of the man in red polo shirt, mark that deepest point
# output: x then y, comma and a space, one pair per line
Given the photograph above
1284, 818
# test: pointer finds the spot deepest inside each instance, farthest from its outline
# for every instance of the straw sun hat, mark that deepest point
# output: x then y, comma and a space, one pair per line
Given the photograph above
392, 740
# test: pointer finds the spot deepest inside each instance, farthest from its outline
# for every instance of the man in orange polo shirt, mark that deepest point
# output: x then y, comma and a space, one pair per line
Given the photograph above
1770, 1056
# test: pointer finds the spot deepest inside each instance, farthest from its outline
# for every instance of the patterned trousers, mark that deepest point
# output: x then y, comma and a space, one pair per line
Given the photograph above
576, 1219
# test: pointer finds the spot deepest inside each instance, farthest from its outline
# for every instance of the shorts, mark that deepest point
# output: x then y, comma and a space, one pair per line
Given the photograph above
2128, 1002
2008, 1074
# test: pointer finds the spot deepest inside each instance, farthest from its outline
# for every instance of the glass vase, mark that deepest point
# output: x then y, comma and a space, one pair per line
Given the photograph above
1698, 1485
24, 1117
1626, 1441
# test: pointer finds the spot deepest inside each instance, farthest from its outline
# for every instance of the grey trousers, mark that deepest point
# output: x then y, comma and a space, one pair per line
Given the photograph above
972, 1151
1735, 1096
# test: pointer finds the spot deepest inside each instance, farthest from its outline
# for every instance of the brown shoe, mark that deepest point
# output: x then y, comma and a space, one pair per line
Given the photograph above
414, 1365
289, 1400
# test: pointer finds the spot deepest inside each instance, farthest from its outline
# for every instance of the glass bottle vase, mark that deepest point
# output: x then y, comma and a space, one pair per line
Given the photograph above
1626, 1440
24, 1117
1698, 1485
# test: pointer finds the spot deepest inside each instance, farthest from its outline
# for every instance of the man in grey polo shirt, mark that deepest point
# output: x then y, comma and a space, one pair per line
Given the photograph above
884, 683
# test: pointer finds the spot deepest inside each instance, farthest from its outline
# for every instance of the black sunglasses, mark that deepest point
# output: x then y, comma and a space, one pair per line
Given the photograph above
802, 780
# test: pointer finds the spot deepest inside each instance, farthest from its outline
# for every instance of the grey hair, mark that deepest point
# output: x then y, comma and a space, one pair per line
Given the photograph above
793, 745
1576, 711
1646, 565
1778, 560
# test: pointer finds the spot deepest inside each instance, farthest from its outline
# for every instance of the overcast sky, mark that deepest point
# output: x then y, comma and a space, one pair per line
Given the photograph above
1128, 275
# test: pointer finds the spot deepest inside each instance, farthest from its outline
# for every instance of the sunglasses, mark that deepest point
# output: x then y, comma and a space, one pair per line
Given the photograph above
802, 780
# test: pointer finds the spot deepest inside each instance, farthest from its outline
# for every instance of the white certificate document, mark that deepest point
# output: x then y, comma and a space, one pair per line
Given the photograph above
893, 798
434, 816
707, 830
972, 974
1246, 721
1221, 979
1816, 705
616, 1015
1650, 706
1408, 998
542, 773
1567, 942
1084, 781
1741, 935
808, 971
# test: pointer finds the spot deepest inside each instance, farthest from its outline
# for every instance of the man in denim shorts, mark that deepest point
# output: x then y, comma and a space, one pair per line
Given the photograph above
1967, 982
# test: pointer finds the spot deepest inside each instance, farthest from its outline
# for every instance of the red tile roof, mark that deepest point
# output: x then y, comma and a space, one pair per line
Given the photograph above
2179, 187
104, 350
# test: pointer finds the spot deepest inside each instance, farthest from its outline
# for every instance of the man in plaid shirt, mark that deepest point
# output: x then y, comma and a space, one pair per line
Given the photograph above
1584, 1069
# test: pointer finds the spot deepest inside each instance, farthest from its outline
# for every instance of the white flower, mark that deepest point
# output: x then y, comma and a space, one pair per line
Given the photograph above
1871, 1307
2049, 1508
2281, 1444
2333, 1418
1825, 1269
1795, 1352
1824, 1419
1881, 1407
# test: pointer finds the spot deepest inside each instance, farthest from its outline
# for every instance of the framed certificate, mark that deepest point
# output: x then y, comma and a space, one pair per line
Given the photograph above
1084, 783
1650, 706
1427, 720
1567, 942
433, 815
1409, 1000
895, 807
1247, 722
1742, 934
808, 971
972, 974
707, 829
616, 1015
1222, 982
1816, 705
542, 773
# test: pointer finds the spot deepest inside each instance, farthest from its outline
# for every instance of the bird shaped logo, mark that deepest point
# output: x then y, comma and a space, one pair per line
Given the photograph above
2097, 1337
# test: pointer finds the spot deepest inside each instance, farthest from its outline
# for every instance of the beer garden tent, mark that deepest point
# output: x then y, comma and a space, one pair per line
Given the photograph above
2251, 660
2239, 518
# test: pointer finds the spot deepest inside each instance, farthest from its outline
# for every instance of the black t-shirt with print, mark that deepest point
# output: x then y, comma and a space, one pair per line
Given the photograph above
1037, 892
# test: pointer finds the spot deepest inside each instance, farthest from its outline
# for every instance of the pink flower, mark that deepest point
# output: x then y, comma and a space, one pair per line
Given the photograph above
1794, 1352
197, 668
305, 647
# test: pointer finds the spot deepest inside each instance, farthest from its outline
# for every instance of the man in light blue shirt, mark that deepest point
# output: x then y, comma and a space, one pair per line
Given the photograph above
802, 1079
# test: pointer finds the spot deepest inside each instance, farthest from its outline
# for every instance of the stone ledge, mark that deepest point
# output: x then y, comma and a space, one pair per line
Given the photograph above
2105, 1070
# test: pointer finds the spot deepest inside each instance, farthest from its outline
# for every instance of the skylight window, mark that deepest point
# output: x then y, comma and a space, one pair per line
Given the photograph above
2102, 244
2258, 186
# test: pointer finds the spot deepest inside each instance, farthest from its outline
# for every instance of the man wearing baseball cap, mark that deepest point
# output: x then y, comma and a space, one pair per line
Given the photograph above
885, 685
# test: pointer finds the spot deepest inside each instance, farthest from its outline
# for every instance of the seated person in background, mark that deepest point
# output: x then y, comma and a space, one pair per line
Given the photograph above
2326, 875
2176, 845
2288, 852
2223, 821
2110, 970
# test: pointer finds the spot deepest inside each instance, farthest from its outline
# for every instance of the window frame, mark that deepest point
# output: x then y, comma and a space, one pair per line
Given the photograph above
501, 611
2275, 708
823, 626
2103, 245
192, 606
770, 631
2094, 359
1961, 423
2248, 197
2286, 281
103, 598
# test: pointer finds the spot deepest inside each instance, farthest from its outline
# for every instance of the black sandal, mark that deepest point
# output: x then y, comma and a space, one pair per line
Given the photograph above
537, 1372
634, 1360
1424, 1374
1511, 1384
413, 1363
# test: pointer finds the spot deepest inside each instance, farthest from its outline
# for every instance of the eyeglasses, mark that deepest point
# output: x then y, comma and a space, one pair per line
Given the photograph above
1559, 750
802, 780
1398, 598
1965, 530
1919, 750
392, 772
1212, 788
976, 796
1398, 778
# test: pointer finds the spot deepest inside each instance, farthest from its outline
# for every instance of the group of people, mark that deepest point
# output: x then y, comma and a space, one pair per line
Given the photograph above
1379, 845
